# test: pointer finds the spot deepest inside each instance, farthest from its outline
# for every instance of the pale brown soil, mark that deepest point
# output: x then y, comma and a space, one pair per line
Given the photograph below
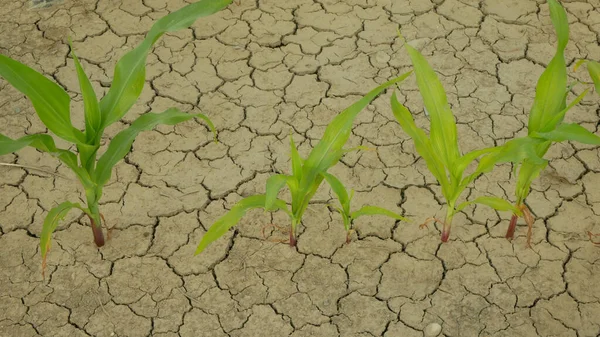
260, 69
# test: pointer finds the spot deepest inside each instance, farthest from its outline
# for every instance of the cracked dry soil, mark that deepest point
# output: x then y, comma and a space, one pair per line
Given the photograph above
260, 69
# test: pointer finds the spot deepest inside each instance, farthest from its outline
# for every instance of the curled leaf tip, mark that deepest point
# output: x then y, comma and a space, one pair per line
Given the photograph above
579, 64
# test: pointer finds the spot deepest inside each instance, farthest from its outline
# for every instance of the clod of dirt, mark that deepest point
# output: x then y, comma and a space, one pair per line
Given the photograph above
433, 329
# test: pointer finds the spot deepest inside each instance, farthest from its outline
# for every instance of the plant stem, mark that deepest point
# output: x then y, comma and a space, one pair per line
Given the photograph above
96, 224
293, 240
447, 223
97, 231
510, 233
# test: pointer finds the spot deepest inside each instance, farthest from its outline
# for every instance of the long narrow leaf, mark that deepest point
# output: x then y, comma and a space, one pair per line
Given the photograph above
51, 222
496, 203
594, 71
422, 143
221, 226
93, 118
338, 188
41, 142
121, 143
274, 184
50, 101
558, 118
335, 136
374, 210
552, 84
130, 71
528, 172
572, 132
296, 160
443, 134
514, 151
464, 161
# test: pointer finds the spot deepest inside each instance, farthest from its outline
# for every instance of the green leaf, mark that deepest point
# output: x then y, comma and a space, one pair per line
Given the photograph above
443, 134
221, 226
527, 174
594, 70
558, 118
464, 161
493, 202
93, 118
422, 144
50, 101
51, 222
338, 188
130, 71
514, 151
41, 142
121, 143
552, 84
329, 149
374, 210
274, 184
560, 22
296, 160
572, 132
45, 143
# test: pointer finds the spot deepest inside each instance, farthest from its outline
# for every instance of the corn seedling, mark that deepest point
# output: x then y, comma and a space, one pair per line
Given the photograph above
307, 175
546, 118
51, 103
345, 198
440, 149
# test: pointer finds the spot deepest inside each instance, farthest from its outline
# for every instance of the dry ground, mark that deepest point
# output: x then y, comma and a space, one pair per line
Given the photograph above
261, 69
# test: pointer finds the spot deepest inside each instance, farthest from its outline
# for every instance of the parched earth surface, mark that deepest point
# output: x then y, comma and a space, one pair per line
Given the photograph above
262, 69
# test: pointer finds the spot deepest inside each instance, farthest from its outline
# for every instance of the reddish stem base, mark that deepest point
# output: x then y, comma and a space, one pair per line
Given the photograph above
292, 238
510, 233
445, 235
97, 231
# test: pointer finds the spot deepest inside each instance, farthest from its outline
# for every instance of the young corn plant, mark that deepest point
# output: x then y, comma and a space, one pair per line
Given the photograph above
51, 104
546, 118
306, 177
440, 149
345, 199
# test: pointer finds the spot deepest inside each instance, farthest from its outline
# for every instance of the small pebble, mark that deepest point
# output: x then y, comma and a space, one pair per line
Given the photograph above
433, 330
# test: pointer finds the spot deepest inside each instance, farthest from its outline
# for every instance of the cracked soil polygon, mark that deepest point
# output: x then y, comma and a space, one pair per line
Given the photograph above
260, 69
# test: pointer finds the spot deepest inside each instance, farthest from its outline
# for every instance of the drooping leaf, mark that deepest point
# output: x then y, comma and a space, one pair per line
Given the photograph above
50, 101
121, 143
93, 118
594, 71
51, 222
274, 184
496, 203
572, 132
42, 142
443, 134
338, 188
374, 210
130, 71
221, 226
335, 136
552, 84
46, 143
